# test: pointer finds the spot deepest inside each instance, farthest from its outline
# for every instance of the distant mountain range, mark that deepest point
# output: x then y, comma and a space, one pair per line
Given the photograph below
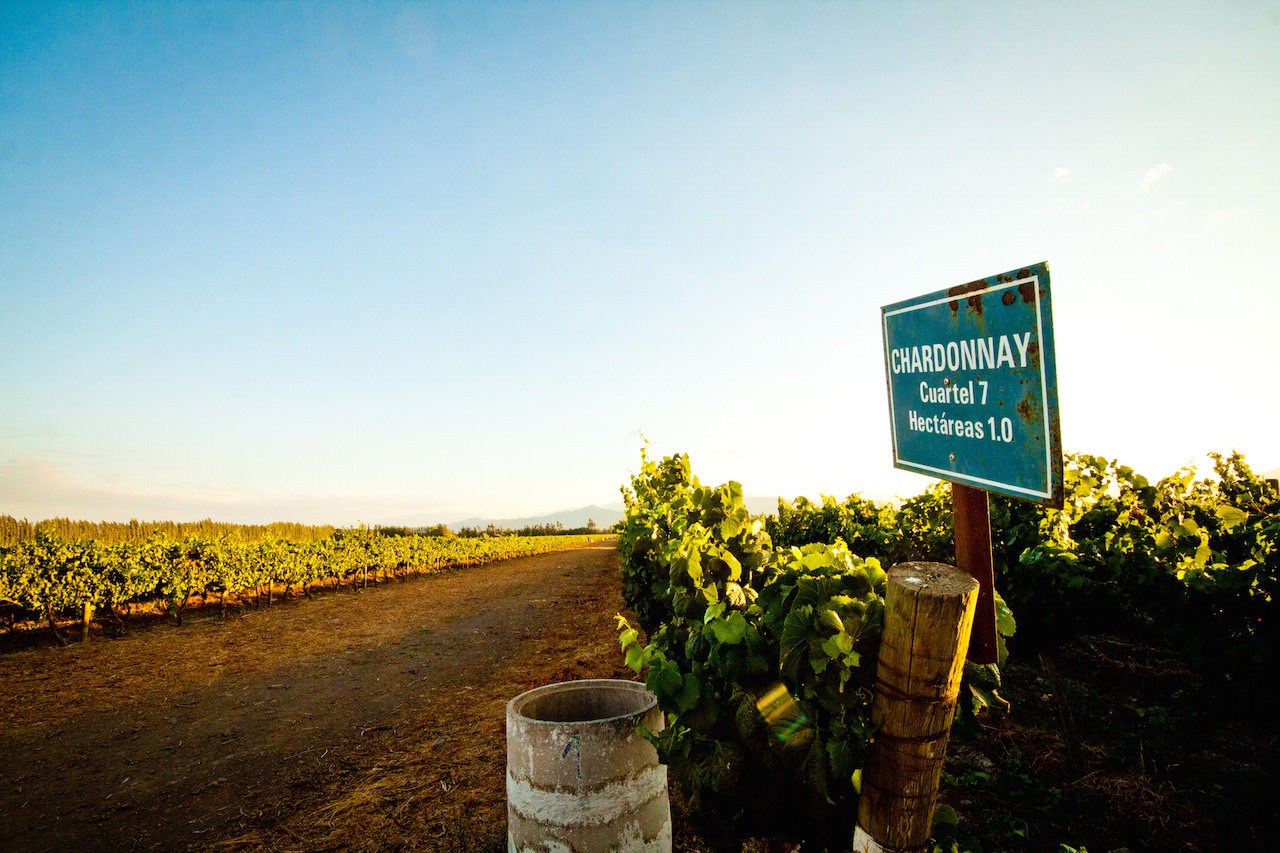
569, 519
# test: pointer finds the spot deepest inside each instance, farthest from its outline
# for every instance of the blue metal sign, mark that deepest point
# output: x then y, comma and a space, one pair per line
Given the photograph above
973, 387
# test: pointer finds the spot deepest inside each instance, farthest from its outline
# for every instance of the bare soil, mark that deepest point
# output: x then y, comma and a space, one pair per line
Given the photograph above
355, 720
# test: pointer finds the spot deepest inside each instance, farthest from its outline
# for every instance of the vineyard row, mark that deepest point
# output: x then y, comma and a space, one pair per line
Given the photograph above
760, 636
49, 576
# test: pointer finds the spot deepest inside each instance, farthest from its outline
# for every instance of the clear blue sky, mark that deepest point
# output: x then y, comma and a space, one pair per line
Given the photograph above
335, 261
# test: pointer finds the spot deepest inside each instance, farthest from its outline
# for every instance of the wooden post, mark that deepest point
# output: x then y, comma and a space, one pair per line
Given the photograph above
973, 557
53, 624
929, 610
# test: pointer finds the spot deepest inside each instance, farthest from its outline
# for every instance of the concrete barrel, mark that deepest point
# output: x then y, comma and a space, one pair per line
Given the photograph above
580, 777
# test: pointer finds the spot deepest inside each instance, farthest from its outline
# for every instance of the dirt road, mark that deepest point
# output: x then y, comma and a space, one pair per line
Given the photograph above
356, 720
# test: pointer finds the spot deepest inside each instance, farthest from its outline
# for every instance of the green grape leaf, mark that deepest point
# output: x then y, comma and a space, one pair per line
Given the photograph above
831, 619
1230, 516
636, 658
687, 698
837, 646
730, 630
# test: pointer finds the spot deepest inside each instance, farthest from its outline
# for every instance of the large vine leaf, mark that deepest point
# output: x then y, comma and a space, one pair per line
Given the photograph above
728, 630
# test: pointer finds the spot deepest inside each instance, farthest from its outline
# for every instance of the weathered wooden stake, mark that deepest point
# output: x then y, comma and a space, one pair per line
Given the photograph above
86, 616
53, 625
929, 609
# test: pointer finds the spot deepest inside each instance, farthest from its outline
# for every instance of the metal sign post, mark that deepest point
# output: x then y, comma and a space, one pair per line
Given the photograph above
973, 557
973, 399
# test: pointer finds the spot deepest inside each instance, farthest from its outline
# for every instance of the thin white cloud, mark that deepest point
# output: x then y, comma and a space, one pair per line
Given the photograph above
1154, 174
1061, 175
